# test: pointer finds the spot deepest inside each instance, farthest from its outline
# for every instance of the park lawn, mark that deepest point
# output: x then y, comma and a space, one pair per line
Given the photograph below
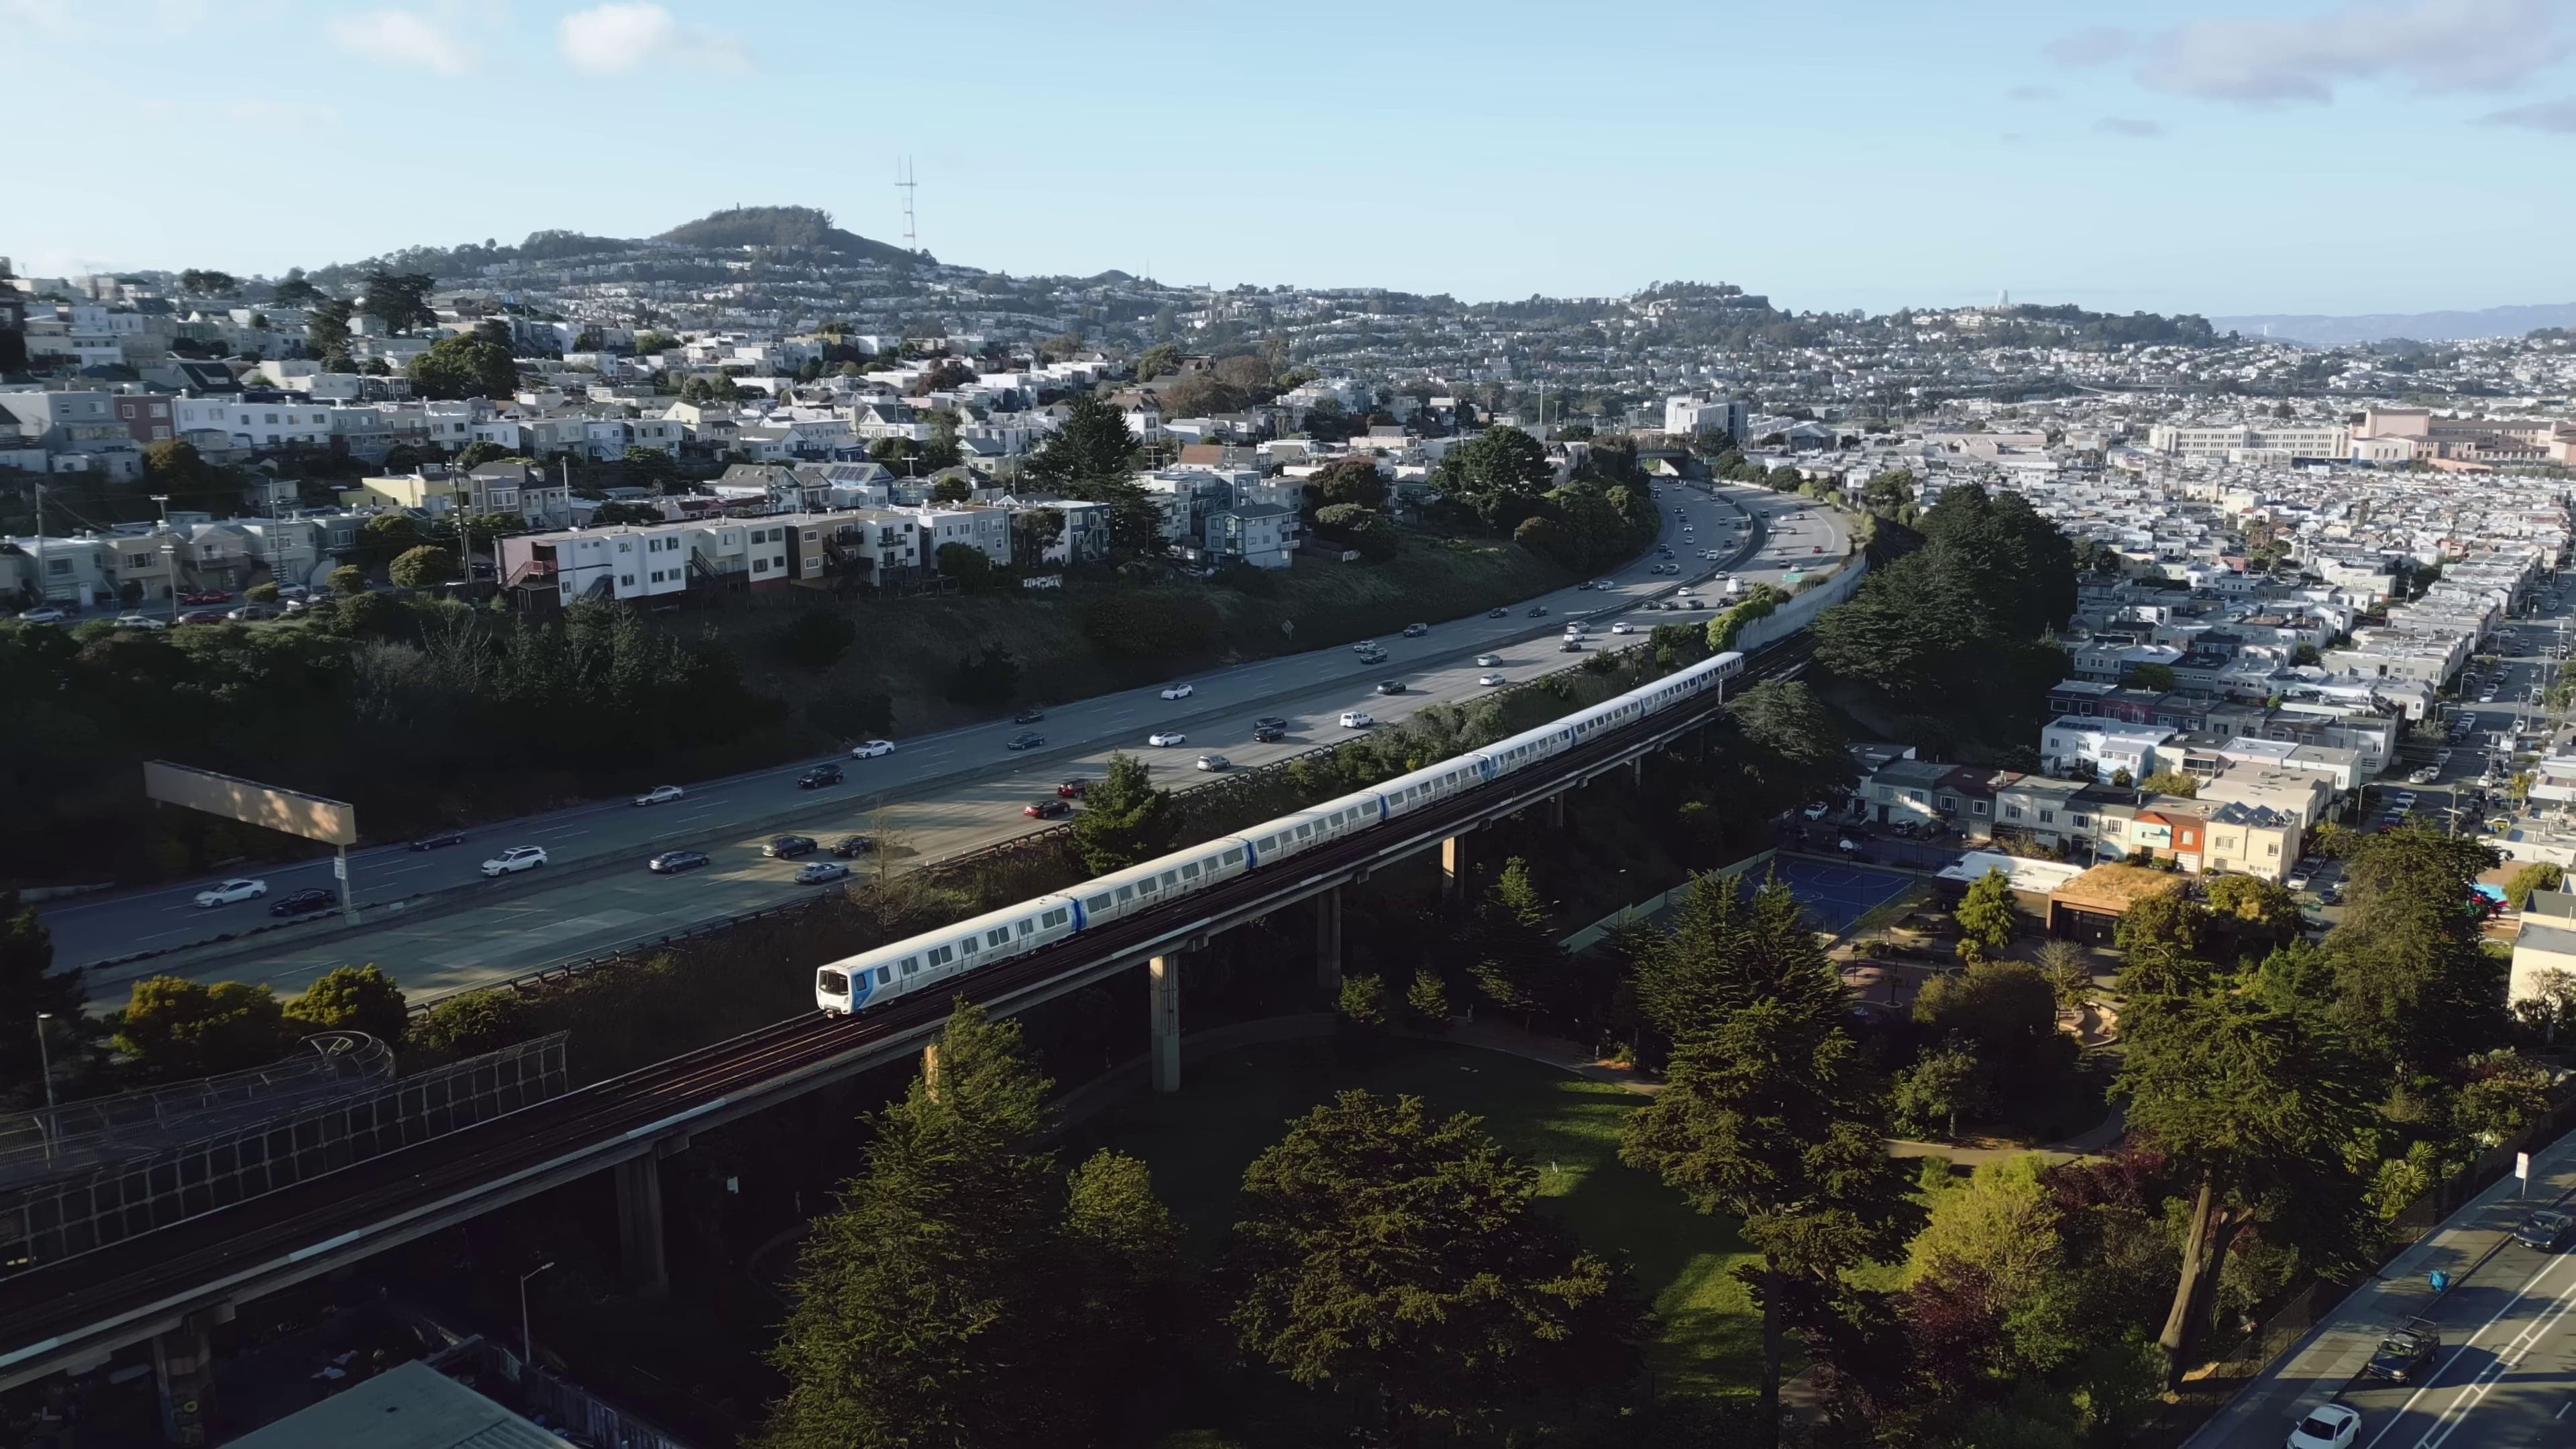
1199, 1141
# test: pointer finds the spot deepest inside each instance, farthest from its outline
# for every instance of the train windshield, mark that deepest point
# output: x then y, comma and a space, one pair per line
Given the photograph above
831, 983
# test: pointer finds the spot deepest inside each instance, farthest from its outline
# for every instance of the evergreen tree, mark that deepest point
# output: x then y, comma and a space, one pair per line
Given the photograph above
1402, 1260
932, 1304
28, 986
1986, 915
1512, 949
1769, 1112
1124, 819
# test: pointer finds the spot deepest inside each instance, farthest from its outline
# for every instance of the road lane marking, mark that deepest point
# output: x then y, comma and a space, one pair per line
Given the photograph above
2509, 1305
2510, 1357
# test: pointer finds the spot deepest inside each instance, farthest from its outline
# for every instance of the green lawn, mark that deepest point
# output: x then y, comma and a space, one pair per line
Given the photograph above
1230, 1107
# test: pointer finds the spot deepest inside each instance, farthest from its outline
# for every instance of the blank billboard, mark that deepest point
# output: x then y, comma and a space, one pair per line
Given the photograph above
330, 821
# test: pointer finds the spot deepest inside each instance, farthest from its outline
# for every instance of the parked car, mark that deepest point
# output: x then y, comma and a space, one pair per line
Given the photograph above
788, 847
304, 902
1072, 789
1178, 691
851, 846
203, 596
821, 871
1047, 809
820, 776
1025, 740
139, 621
1390, 686
240, 888
1489, 679
1416, 631
1162, 738
2407, 1353
1214, 764
514, 860
1358, 719
43, 616
439, 839
1488, 661
202, 616
660, 795
870, 749
2548, 1230
246, 613
1028, 716
672, 862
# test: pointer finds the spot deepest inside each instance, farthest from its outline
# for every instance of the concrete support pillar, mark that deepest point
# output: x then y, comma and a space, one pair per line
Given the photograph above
183, 1364
639, 1226
1556, 811
1163, 1008
1637, 772
1453, 870
1328, 940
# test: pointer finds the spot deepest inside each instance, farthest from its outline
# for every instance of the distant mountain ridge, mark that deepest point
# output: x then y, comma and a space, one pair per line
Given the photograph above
2323, 331
781, 226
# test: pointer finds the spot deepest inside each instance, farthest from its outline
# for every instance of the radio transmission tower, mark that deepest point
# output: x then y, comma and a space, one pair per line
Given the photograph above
904, 183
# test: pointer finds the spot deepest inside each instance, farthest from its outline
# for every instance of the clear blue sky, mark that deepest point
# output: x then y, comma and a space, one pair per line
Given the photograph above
2220, 156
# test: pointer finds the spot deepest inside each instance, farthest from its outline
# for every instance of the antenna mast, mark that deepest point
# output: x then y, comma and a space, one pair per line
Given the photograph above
904, 183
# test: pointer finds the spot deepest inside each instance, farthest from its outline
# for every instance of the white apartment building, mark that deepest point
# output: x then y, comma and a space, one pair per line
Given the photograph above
2239, 443
254, 424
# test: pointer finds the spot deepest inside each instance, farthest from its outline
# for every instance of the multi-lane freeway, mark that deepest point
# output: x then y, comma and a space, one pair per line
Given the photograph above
932, 797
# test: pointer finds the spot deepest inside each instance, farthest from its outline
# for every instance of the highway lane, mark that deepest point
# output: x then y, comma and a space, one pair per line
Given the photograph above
2508, 1367
935, 795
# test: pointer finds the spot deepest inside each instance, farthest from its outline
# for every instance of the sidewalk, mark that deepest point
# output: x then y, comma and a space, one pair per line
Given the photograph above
2335, 1350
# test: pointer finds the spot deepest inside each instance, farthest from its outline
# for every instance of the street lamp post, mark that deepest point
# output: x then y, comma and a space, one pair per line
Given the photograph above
170, 577
527, 1344
45, 1064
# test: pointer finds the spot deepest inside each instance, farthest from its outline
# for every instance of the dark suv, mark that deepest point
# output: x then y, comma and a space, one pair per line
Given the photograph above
2548, 1230
788, 847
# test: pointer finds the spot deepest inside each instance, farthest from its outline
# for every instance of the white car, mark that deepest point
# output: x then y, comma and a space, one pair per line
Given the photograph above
2326, 1426
1489, 680
238, 889
139, 621
1167, 737
43, 616
1358, 719
659, 794
1682, 592
1488, 661
870, 749
1177, 691
1622, 627
517, 858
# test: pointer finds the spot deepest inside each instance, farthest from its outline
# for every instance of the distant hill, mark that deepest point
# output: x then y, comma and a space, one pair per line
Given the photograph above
780, 226
2420, 326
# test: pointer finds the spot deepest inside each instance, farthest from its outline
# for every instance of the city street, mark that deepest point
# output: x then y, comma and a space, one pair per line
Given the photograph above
932, 797
2503, 703
2505, 1377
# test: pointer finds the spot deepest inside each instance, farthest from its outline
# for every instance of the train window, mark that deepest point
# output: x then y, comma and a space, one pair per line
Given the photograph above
1146, 887
1189, 870
1171, 877
1304, 830
833, 983
1234, 856
1052, 918
940, 955
1001, 936
885, 974
1126, 893
967, 946
1101, 901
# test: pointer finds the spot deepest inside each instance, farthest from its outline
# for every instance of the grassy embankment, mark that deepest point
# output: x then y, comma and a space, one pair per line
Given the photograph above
909, 648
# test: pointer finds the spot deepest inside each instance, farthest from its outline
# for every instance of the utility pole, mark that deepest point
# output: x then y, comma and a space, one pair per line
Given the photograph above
44, 581
527, 1349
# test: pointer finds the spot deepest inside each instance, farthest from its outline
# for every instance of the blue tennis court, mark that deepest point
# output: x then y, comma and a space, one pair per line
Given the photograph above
1837, 895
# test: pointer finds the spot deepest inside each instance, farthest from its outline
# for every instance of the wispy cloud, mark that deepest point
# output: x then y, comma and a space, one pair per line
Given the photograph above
626, 35
404, 38
2438, 45
2557, 116
2129, 126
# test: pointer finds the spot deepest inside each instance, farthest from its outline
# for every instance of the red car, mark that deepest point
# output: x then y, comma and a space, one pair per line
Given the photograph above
1072, 789
204, 596
1047, 809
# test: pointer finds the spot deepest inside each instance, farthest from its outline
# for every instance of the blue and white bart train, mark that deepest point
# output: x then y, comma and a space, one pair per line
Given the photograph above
921, 962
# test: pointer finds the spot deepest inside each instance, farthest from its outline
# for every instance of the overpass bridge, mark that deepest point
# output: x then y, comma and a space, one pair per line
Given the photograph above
172, 1286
